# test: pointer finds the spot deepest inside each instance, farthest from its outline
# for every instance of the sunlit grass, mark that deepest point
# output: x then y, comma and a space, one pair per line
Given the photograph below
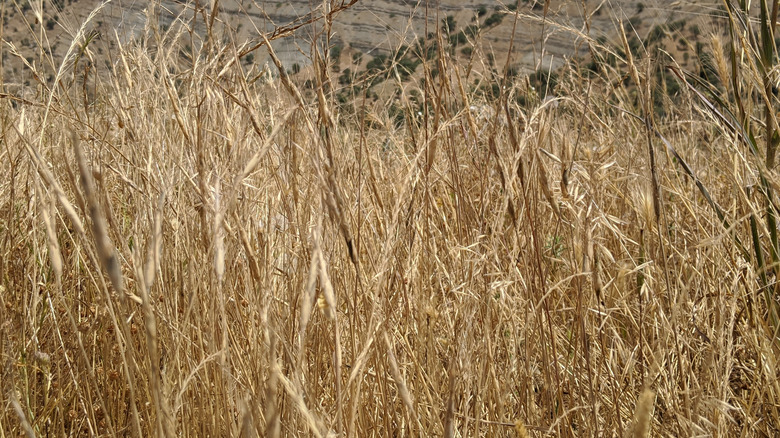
189, 250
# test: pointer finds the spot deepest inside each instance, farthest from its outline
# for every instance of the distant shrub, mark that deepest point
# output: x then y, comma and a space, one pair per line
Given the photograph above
406, 67
448, 24
346, 77
378, 63
489, 91
432, 50
544, 81
335, 52
494, 19
458, 38
656, 34
678, 25
634, 45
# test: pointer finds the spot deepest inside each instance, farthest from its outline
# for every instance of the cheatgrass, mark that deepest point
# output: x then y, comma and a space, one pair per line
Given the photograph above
440, 245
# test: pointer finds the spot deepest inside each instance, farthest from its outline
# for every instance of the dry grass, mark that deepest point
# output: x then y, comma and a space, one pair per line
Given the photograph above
185, 251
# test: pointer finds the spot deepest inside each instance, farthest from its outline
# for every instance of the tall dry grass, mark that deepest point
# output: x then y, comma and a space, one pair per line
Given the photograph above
187, 251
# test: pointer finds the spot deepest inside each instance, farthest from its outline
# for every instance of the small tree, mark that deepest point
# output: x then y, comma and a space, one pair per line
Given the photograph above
448, 24
335, 56
494, 19
335, 52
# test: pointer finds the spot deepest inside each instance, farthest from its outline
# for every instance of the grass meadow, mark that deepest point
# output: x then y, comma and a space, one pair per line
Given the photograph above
191, 247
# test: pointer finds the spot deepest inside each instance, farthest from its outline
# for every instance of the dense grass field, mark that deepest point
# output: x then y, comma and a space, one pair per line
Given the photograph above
191, 248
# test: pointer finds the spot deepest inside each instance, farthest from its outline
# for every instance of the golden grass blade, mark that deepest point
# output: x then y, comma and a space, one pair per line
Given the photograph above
105, 248
643, 415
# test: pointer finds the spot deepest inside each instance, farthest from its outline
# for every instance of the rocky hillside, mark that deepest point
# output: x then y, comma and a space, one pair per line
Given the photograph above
367, 29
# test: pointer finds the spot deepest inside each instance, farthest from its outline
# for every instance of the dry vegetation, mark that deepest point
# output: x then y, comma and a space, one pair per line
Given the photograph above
188, 251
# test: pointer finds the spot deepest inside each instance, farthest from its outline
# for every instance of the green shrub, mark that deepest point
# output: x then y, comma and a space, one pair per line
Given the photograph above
448, 24
657, 34
543, 81
335, 52
676, 26
377, 64
494, 19
458, 39
346, 77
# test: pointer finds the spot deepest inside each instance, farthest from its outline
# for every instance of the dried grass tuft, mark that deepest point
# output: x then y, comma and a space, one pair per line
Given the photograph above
432, 256
643, 415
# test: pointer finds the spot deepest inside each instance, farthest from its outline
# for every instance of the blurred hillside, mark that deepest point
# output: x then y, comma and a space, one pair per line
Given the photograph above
544, 39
